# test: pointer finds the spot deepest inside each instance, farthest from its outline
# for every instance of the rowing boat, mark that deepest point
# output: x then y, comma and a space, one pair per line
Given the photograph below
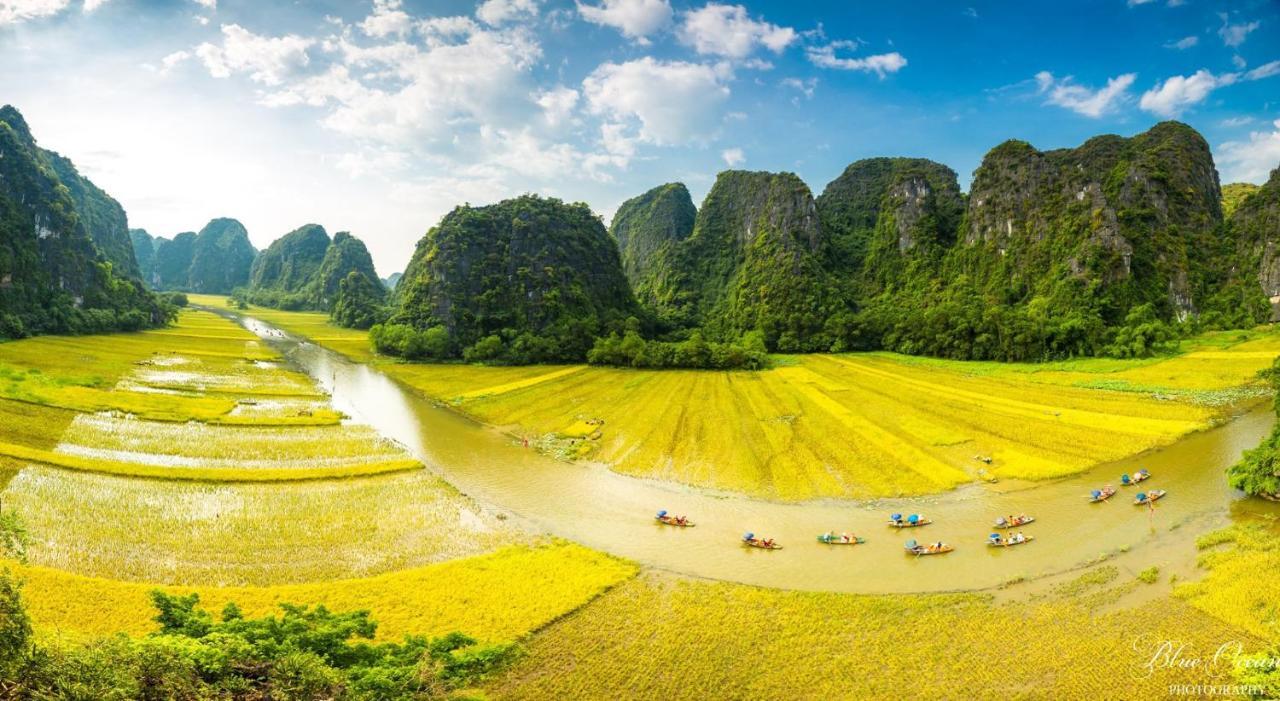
673, 521
1102, 494
900, 522
916, 549
1015, 523
1150, 496
1006, 542
758, 543
836, 540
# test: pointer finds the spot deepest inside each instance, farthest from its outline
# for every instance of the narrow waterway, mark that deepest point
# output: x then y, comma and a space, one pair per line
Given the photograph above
614, 513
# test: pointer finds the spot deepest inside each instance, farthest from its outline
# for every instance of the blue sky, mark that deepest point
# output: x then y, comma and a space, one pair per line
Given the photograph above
378, 117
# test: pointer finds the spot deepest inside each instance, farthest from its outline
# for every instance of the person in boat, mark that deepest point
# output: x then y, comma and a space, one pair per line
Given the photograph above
681, 520
995, 539
1020, 538
896, 518
846, 538
1125, 479
767, 542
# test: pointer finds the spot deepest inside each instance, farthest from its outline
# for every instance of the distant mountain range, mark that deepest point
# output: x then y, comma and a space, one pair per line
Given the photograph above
1111, 247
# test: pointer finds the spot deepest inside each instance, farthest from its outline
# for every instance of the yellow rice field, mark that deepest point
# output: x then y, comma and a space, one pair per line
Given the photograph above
1244, 576
853, 425
502, 595
173, 532
664, 637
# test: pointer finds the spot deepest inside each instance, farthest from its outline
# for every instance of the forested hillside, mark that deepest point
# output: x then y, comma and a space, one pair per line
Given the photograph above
53, 278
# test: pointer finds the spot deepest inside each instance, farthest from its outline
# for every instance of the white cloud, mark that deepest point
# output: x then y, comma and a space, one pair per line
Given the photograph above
733, 157
267, 60
168, 63
495, 12
1178, 93
727, 30
1135, 3
1082, 100
15, 11
91, 5
1183, 43
804, 87
207, 4
1239, 62
1266, 70
1252, 160
636, 19
1235, 34
880, 64
387, 19
557, 104
1232, 122
674, 102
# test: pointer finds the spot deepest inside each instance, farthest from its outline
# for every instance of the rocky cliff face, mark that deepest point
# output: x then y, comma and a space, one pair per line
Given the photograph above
752, 262
291, 262
1255, 228
144, 251
536, 272
101, 214
172, 265
221, 258
52, 276
645, 227
881, 205
1129, 218
345, 255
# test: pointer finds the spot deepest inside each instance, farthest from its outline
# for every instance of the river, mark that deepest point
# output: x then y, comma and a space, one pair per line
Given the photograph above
613, 513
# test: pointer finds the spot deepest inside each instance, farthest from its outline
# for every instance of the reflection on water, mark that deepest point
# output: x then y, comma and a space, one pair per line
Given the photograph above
614, 513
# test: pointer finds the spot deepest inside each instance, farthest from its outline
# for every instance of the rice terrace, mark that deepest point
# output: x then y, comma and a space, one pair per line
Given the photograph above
635, 363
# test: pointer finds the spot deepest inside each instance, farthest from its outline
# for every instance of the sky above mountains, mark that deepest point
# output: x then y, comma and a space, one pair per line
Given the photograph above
378, 117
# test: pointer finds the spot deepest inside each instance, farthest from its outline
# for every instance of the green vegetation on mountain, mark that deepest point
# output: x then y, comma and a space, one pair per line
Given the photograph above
103, 217
1233, 195
304, 269
53, 279
392, 281
1252, 268
530, 279
882, 211
144, 251
346, 254
1060, 253
646, 229
752, 263
221, 257
359, 302
172, 262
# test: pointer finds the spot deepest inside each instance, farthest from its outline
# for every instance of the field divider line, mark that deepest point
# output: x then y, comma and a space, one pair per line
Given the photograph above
1022, 409
519, 384
883, 439
76, 462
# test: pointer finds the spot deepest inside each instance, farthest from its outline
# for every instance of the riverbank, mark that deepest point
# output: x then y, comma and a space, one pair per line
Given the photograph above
853, 426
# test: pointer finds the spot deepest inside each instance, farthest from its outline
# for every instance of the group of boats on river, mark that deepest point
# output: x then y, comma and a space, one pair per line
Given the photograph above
995, 540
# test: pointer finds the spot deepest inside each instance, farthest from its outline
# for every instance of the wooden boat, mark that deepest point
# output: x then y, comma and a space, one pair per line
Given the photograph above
759, 543
1102, 494
673, 521
905, 523
916, 549
1153, 495
836, 540
1006, 542
1020, 521
1140, 476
